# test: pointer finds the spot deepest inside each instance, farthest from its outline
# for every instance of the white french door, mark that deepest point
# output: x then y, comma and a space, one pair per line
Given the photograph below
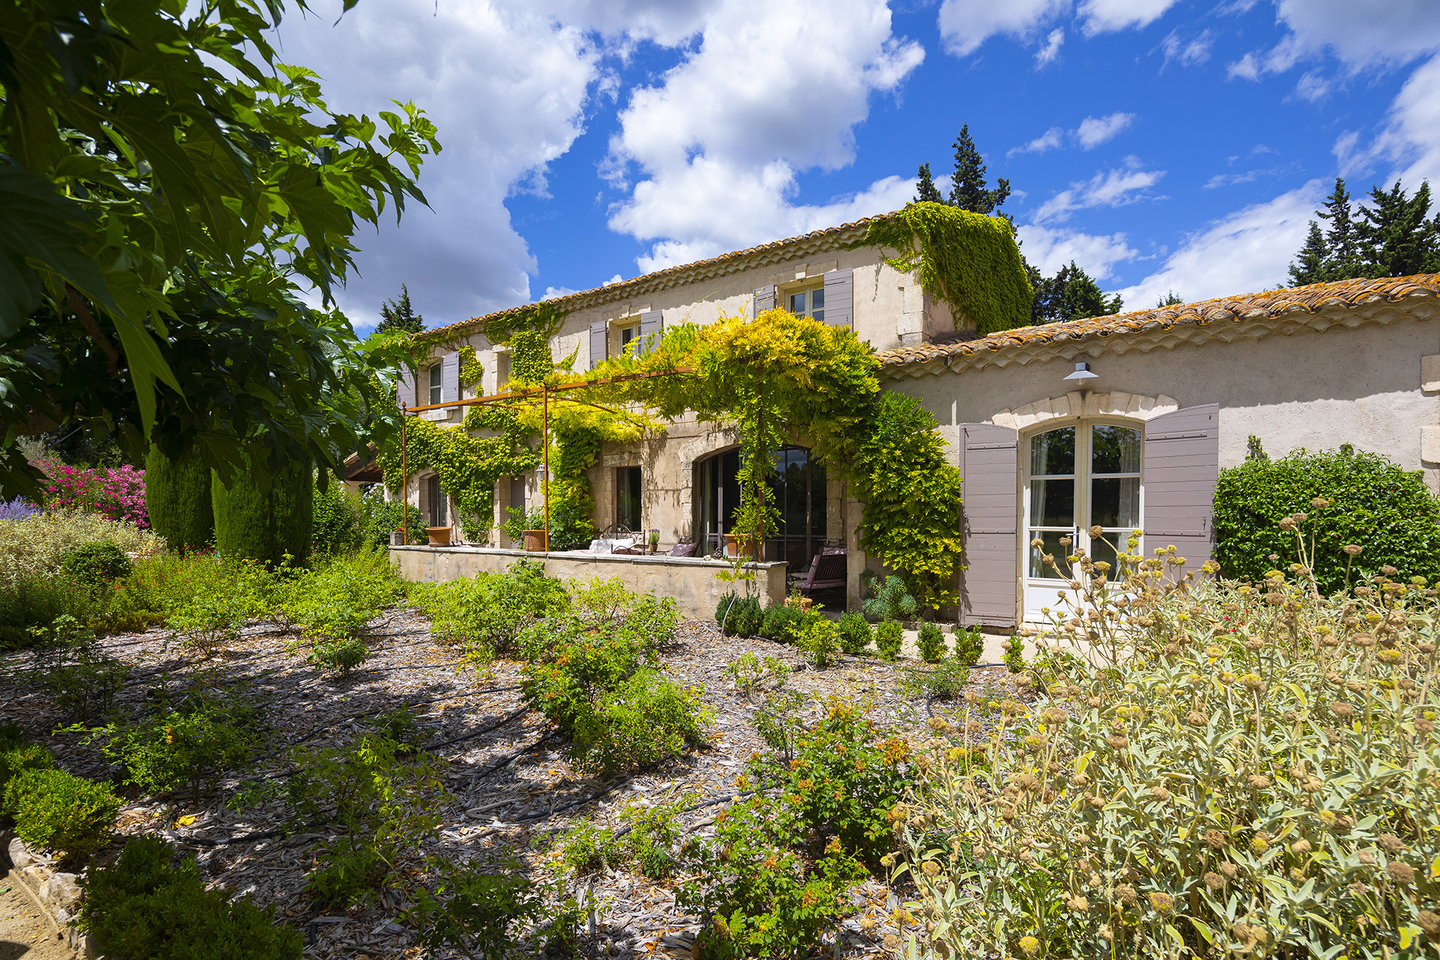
1076, 477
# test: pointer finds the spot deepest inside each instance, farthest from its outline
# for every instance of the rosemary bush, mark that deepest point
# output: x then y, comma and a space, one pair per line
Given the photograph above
1226, 770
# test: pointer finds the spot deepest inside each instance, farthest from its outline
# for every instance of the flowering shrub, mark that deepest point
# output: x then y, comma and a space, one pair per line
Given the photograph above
116, 494
1243, 771
17, 509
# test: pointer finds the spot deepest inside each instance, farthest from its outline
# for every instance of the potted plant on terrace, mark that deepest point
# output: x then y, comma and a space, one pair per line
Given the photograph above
654, 539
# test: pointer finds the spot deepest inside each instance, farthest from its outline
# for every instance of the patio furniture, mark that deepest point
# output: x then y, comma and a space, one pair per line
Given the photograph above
684, 550
827, 571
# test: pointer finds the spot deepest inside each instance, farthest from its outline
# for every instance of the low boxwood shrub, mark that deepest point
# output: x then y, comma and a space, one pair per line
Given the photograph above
930, 642
1346, 497
145, 907
60, 811
1256, 776
969, 646
855, 633
742, 616
783, 622
889, 638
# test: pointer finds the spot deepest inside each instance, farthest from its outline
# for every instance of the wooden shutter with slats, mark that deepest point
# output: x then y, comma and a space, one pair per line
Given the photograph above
405, 387
764, 300
599, 332
450, 377
1181, 465
650, 326
840, 298
989, 464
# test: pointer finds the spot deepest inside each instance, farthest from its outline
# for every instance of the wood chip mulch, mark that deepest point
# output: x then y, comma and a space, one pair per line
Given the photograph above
513, 787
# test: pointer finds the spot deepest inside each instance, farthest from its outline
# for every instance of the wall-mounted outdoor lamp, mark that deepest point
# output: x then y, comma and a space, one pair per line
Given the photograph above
1083, 375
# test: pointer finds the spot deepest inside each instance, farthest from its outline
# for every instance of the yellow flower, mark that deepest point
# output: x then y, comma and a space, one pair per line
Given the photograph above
1029, 945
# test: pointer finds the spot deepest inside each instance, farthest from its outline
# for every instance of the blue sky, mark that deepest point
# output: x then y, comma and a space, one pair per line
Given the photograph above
1163, 145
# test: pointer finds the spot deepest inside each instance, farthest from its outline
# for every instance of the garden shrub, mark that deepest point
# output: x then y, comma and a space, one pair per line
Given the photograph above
889, 638
334, 601
739, 616
592, 674
177, 493
60, 811
855, 633
17, 757
487, 613
116, 493
76, 672
31, 604
750, 673
1014, 657
1257, 777
783, 622
267, 522
1346, 497
483, 911
335, 521
384, 797
186, 746
34, 547
757, 896
819, 638
342, 656
930, 642
969, 646
945, 681
144, 907
890, 600
723, 611
95, 563
377, 518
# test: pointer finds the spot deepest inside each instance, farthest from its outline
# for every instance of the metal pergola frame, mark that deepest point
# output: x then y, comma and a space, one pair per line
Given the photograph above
508, 399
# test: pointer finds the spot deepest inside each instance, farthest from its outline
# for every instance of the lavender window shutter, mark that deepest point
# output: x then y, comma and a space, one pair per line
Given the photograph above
405, 386
840, 298
450, 377
598, 336
764, 299
650, 326
990, 461
1182, 463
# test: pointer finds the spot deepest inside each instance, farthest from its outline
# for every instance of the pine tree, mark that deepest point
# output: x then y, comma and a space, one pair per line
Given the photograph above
1342, 259
1312, 265
968, 187
398, 315
1396, 235
1072, 294
925, 190
1171, 299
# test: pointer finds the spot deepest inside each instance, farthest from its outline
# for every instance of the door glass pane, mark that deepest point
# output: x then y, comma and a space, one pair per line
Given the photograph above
1114, 449
1053, 454
1038, 568
1052, 503
1115, 502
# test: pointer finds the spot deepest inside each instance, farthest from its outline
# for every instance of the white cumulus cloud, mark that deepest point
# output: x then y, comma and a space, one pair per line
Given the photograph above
1050, 52
965, 24
1109, 188
1101, 16
1094, 131
1246, 252
1050, 250
716, 146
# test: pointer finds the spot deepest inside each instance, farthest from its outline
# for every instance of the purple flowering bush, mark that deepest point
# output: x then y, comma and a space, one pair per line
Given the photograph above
17, 509
114, 493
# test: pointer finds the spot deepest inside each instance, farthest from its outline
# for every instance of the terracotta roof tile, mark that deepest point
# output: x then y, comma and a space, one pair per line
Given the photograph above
725, 263
1301, 302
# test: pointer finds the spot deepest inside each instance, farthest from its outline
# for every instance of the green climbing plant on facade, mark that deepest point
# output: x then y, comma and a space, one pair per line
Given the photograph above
968, 260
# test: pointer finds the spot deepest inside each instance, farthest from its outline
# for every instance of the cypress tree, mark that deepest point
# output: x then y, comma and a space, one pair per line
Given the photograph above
1312, 264
968, 188
1343, 258
259, 523
925, 189
177, 496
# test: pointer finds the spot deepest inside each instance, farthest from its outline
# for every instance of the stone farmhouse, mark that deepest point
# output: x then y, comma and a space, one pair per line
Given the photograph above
1122, 422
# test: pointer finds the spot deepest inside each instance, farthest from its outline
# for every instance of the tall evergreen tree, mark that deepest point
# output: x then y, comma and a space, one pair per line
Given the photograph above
968, 188
1072, 294
1171, 299
1312, 265
1396, 234
925, 189
399, 315
1342, 242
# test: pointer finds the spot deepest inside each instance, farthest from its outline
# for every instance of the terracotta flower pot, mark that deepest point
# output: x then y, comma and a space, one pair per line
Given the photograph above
536, 539
439, 536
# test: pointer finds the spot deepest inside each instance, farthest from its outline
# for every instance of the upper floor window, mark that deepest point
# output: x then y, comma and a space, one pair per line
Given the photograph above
436, 393
627, 335
809, 302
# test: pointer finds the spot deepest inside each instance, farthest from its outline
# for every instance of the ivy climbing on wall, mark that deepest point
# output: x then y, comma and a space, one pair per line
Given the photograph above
968, 260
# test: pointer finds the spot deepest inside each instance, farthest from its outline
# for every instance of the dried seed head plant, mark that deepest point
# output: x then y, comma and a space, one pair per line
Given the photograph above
1239, 770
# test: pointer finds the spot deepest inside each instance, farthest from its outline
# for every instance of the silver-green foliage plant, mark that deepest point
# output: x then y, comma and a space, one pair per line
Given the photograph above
1256, 774
337, 599
486, 613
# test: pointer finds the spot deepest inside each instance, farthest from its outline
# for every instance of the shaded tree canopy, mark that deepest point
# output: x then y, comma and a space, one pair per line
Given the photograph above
168, 192
1072, 294
1393, 235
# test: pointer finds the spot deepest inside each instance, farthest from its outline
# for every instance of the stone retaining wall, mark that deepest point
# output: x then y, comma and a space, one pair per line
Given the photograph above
55, 893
